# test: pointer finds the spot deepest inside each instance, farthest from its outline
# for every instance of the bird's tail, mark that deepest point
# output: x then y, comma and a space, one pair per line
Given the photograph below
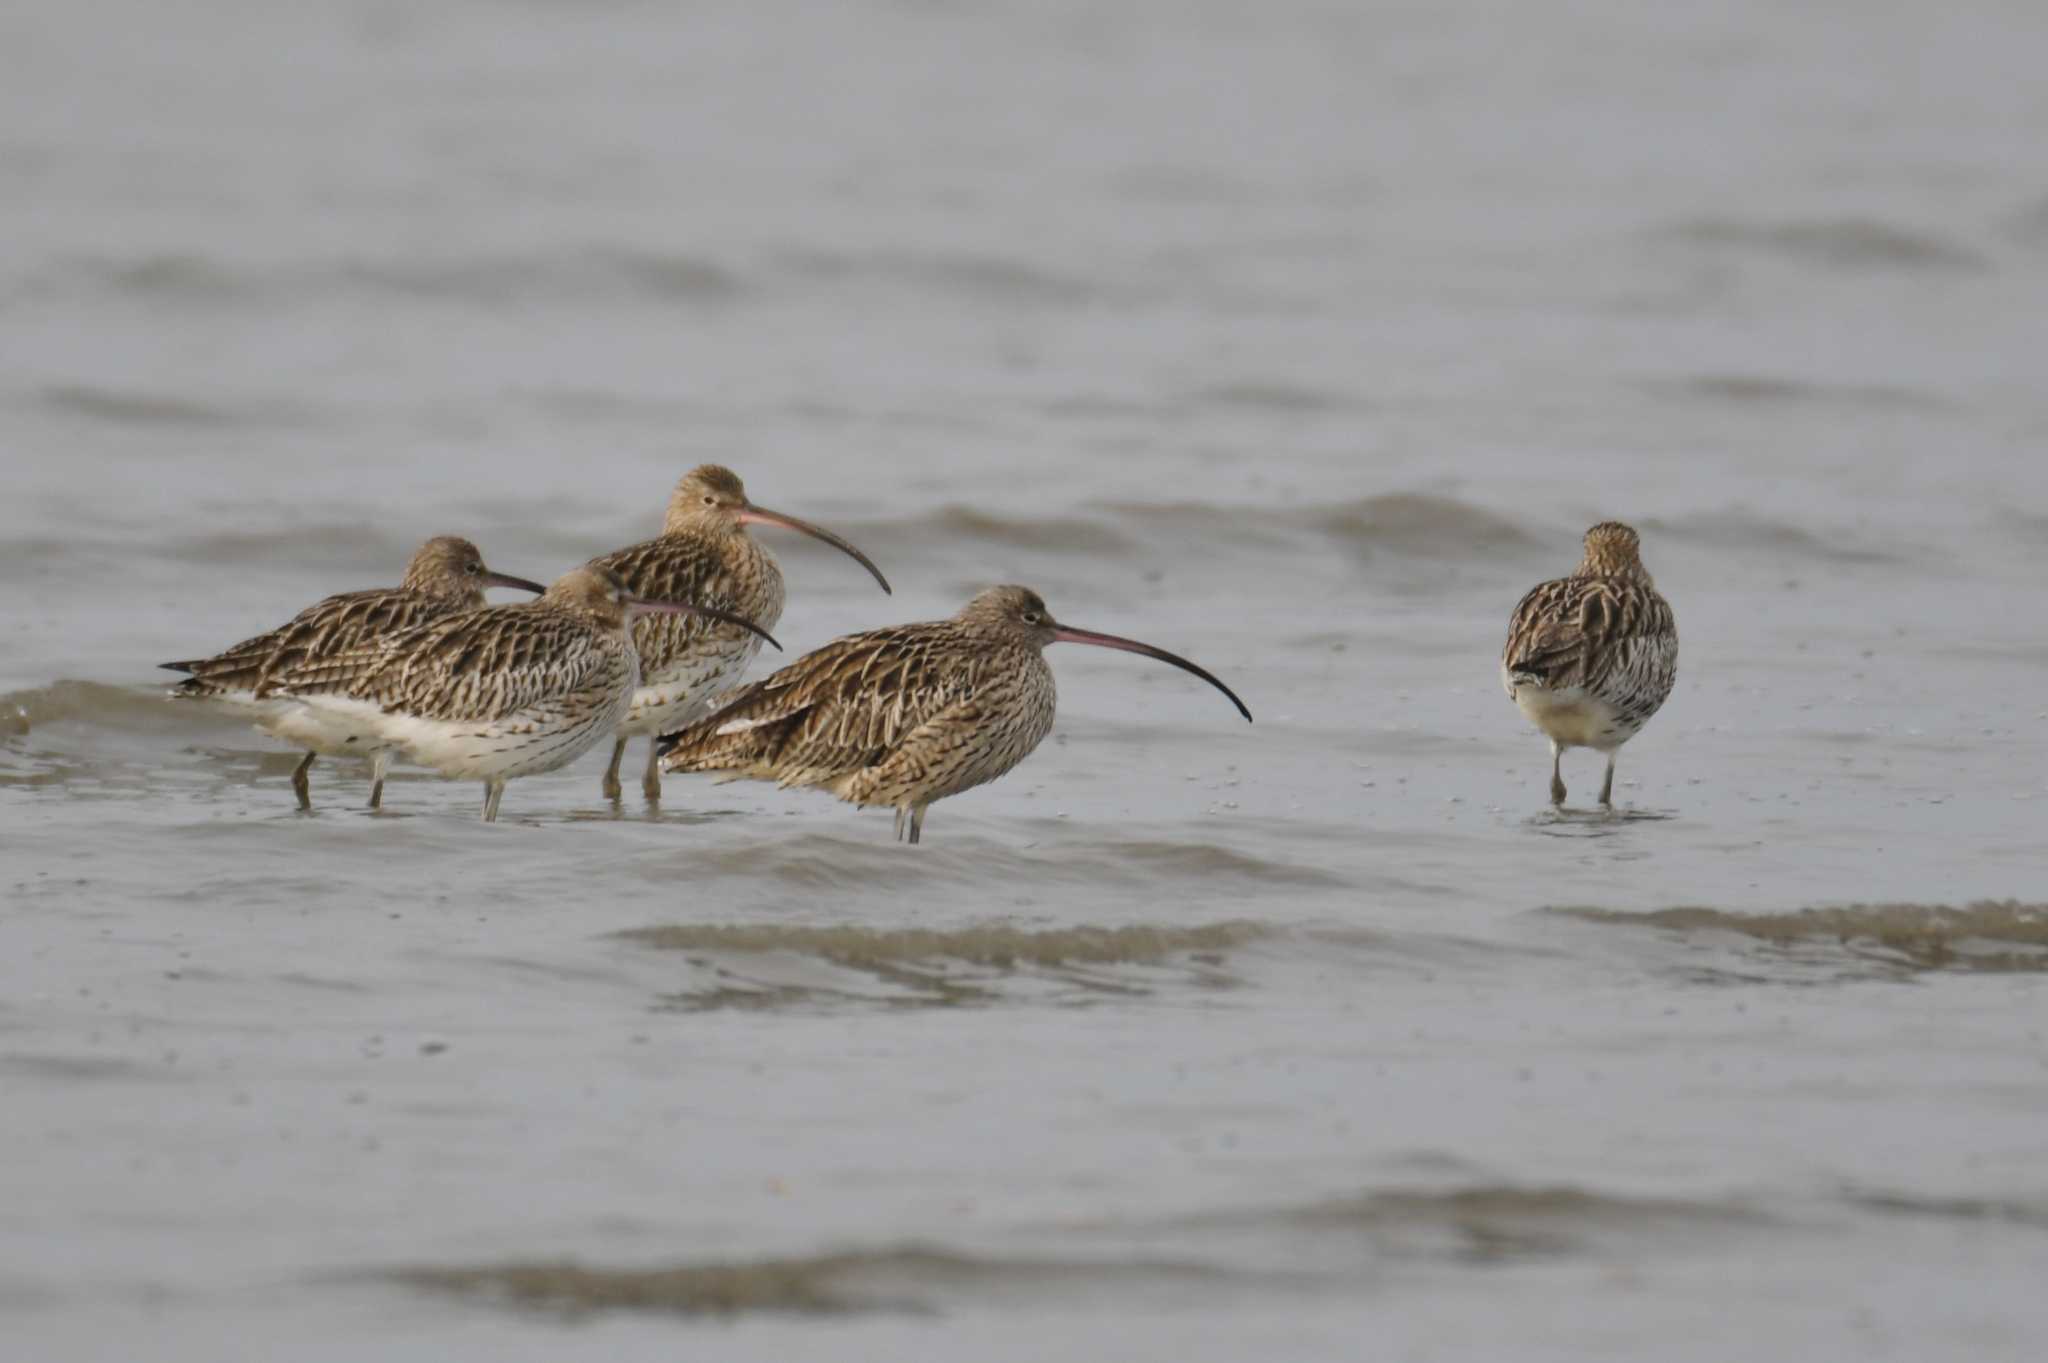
724, 742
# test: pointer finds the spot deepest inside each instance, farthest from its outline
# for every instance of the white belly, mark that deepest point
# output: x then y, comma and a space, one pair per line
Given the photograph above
678, 692
320, 729
1573, 717
524, 743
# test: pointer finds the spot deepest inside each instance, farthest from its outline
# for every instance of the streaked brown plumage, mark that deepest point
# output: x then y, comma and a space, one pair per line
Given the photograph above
494, 693
902, 716
1591, 657
447, 575
703, 556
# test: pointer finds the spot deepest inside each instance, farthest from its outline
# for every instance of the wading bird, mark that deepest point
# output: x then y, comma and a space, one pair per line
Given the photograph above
446, 576
1591, 657
903, 716
703, 556
496, 693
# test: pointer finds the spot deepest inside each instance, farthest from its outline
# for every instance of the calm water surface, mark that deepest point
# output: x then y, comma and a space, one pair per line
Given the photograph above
1297, 338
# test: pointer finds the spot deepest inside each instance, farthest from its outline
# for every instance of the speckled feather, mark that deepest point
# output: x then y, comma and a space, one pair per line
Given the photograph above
491, 694
1604, 631
436, 585
482, 664
683, 658
899, 716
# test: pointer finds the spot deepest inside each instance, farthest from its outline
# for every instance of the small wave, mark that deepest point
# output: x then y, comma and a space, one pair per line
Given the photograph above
1075, 534
171, 277
1846, 243
1746, 532
372, 551
2011, 1211
82, 1068
1760, 390
993, 945
1418, 526
579, 274
748, 966
1209, 526
1403, 524
1487, 1222
1272, 397
568, 273
1989, 935
128, 408
1142, 862
907, 1279
975, 277
823, 862
130, 708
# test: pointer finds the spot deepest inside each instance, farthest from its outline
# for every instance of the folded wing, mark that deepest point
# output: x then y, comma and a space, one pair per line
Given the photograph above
478, 665
334, 625
1575, 631
844, 707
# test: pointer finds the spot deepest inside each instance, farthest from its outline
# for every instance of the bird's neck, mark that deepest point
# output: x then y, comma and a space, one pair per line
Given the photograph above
1608, 565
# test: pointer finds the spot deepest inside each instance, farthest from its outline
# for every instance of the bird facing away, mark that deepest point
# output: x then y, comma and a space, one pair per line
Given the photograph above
704, 556
447, 575
902, 716
498, 692
1592, 656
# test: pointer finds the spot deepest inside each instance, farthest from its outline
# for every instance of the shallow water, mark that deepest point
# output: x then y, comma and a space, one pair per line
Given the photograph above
1299, 339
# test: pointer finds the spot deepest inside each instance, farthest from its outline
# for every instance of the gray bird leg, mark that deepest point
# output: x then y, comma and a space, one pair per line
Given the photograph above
650, 780
612, 788
1556, 775
1607, 786
494, 791
377, 768
300, 786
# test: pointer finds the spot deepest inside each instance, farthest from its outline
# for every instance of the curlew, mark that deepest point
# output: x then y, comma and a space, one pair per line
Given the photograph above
903, 716
704, 556
496, 693
447, 575
1592, 656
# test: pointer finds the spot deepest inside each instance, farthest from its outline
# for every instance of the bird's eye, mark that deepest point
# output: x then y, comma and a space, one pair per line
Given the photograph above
709, 500
472, 568
1033, 618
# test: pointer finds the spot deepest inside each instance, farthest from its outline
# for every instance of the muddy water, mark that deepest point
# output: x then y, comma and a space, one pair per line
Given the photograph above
1300, 342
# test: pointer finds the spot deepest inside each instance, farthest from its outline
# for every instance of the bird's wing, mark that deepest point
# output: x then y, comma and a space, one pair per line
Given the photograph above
838, 709
965, 744
480, 664
1569, 632
679, 568
331, 626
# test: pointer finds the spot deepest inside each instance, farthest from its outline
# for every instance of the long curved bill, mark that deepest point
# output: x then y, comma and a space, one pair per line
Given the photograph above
761, 515
492, 579
1068, 634
640, 605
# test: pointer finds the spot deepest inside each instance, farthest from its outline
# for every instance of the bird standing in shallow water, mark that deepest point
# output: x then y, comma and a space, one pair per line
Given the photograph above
903, 716
1592, 656
499, 692
446, 576
704, 556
